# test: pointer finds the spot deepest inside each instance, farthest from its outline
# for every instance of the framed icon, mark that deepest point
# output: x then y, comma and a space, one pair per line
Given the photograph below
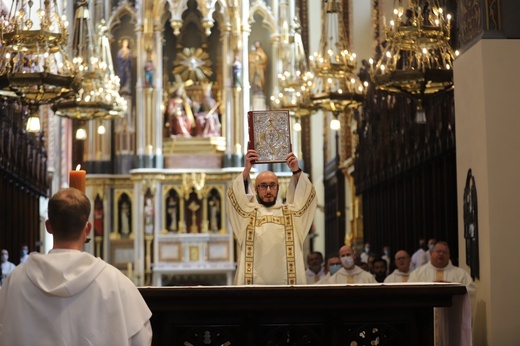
270, 135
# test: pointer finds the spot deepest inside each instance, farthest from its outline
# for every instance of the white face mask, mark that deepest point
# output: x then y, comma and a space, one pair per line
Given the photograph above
4, 258
347, 261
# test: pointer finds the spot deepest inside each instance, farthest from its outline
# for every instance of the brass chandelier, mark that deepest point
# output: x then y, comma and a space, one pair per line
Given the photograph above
34, 64
294, 80
335, 87
416, 58
97, 94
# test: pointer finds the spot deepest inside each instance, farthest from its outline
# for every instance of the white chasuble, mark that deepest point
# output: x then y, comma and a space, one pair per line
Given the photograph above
270, 239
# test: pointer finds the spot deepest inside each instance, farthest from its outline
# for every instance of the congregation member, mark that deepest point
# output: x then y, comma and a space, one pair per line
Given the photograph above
370, 262
270, 234
315, 270
68, 296
402, 272
366, 252
350, 273
428, 253
332, 267
380, 268
417, 259
386, 257
7, 267
24, 253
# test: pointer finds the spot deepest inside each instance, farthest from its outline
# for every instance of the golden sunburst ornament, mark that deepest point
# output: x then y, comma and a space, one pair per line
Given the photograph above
194, 64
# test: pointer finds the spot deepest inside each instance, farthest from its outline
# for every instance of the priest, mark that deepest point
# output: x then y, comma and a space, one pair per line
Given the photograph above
270, 234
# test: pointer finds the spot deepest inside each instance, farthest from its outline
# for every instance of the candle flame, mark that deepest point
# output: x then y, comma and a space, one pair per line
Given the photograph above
78, 167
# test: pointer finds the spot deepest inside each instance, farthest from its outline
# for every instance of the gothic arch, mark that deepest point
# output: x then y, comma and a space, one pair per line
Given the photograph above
115, 19
268, 21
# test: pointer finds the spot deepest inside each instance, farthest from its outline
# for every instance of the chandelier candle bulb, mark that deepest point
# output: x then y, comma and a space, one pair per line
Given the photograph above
77, 179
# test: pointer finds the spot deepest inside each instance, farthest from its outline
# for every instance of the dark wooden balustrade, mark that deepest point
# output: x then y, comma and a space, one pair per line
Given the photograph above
304, 315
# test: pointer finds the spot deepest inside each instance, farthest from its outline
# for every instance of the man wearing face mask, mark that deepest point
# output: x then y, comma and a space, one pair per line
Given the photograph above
332, 267
24, 253
7, 267
270, 234
364, 255
350, 273
315, 270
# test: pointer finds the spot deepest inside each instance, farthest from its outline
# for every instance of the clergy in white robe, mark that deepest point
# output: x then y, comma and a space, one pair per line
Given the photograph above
452, 324
402, 273
350, 273
270, 234
69, 297
440, 269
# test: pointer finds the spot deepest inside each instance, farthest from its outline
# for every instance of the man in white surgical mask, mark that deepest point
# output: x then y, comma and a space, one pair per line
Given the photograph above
350, 273
7, 267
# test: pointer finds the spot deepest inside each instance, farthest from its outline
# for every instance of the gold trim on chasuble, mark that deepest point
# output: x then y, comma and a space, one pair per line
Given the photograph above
286, 220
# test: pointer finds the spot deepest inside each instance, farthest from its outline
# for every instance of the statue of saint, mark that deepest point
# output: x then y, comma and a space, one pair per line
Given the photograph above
257, 68
171, 209
214, 211
207, 117
98, 216
124, 214
124, 67
237, 73
148, 216
149, 69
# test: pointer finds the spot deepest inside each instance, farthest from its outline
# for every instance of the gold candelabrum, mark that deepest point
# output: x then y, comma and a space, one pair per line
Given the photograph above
416, 59
35, 65
97, 87
336, 87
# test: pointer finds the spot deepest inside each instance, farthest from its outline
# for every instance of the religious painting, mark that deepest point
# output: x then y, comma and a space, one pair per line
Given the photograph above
470, 207
270, 135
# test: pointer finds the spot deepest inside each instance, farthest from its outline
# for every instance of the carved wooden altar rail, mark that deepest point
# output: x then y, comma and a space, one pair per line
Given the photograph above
304, 315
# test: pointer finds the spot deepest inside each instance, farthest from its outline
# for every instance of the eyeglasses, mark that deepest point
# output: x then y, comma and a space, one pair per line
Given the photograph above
265, 186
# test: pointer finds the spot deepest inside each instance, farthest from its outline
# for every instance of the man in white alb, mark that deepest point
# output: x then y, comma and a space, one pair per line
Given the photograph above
350, 273
402, 273
440, 269
68, 296
270, 234
453, 324
315, 269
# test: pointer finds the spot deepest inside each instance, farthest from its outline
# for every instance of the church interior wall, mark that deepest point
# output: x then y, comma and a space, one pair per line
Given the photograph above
487, 137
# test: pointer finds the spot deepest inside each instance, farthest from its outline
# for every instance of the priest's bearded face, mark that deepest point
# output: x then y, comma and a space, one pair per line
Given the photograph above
266, 188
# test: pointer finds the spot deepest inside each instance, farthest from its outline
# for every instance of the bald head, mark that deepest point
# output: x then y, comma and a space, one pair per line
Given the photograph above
402, 261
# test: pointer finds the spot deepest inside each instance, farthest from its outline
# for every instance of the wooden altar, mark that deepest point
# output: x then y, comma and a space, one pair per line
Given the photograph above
374, 314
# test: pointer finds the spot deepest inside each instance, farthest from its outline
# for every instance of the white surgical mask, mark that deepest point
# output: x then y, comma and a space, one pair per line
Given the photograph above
367, 249
334, 268
4, 258
347, 261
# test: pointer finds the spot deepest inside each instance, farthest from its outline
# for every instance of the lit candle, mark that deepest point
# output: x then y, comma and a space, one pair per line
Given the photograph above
77, 179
